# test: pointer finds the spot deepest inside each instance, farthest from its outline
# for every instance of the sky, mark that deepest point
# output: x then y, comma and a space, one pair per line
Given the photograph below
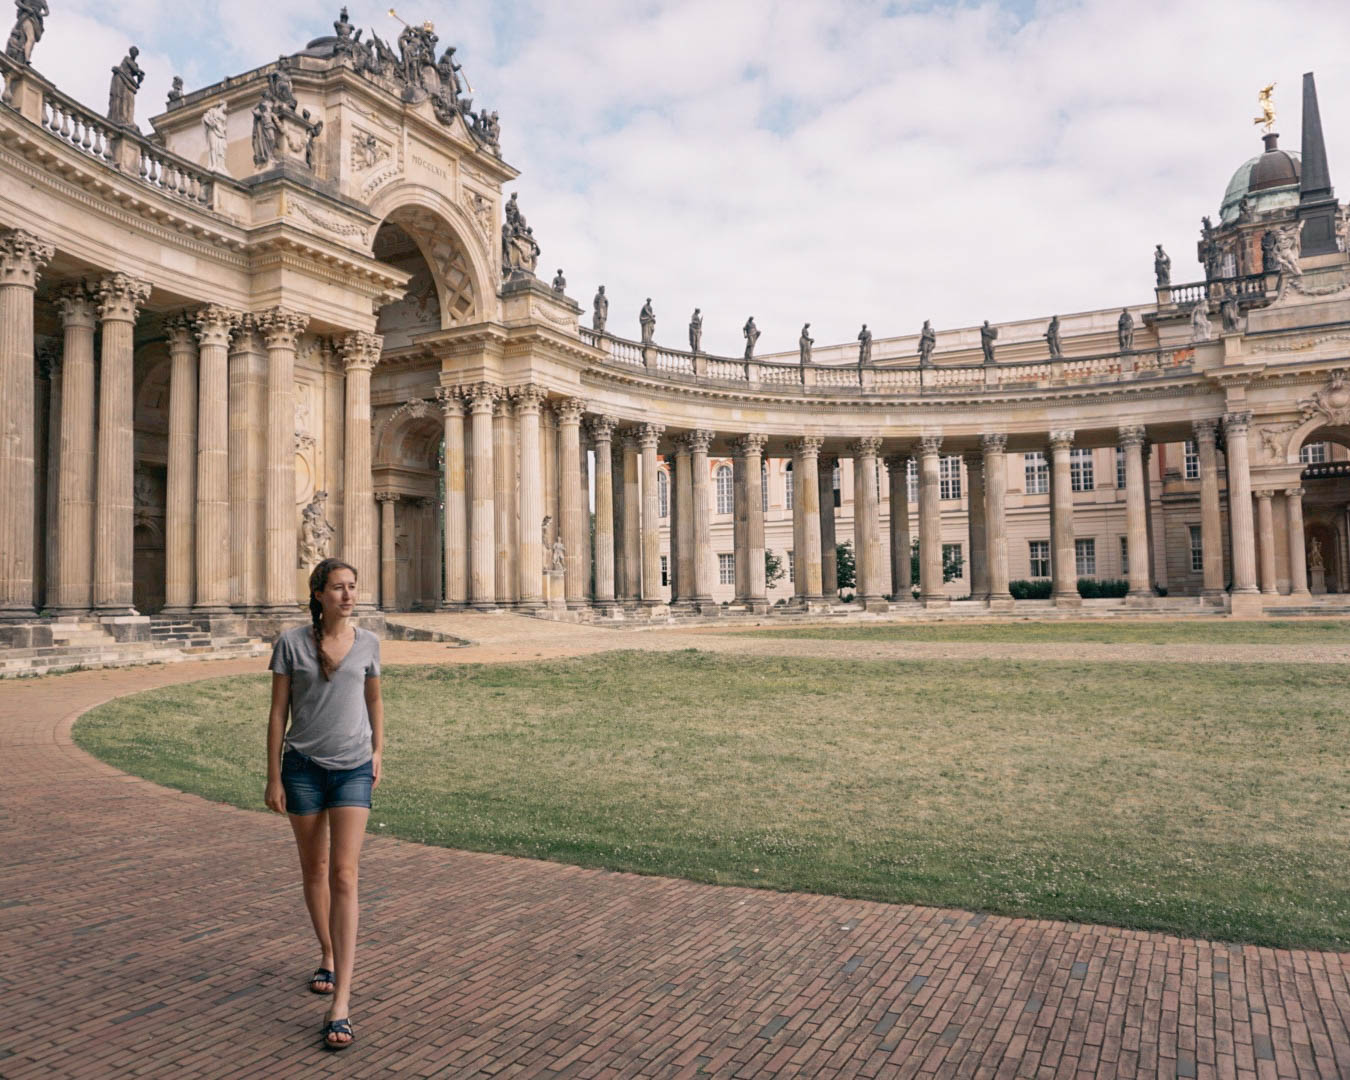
834, 162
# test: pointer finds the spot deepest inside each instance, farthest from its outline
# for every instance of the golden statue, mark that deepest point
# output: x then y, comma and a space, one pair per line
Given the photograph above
1267, 116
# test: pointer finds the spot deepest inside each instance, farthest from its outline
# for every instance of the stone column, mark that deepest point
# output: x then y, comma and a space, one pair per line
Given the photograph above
748, 529
22, 257
360, 354
388, 551
806, 519
456, 538
977, 526
1211, 525
1147, 457
281, 330
648, 437
931, 591
901, 570
1063, 557
632, 516
120, 298
47, 549
1265, 525
530, 555
574, 538
504, 502
213, 326
602, 434
1136, 506
1298, 553
482, 513
180, 487
682, 578
616, 461
701, 487
867, 525
1235, 426
829, 542
247, 457
75, 508
996, 516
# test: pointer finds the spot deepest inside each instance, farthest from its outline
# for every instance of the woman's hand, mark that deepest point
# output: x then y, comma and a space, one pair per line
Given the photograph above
375, 767
275, 795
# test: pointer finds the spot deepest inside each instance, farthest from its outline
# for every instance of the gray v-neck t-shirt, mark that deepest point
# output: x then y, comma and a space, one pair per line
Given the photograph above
329, 720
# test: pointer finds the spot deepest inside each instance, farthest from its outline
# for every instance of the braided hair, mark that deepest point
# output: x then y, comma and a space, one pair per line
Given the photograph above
318, 581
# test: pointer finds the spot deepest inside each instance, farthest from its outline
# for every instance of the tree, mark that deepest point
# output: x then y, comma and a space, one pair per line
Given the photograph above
847, 573
774, 570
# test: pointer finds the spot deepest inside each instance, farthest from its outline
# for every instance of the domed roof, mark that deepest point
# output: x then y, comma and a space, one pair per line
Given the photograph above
1269, 181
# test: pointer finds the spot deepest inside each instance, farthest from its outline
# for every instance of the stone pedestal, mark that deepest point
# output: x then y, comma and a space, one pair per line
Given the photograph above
557, 590
1318, 575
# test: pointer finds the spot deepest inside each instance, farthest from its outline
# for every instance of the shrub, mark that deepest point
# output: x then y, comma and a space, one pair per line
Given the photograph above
1093, 589
1030, 589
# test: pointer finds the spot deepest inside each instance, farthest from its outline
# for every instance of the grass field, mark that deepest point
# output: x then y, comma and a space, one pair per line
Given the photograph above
1200, 632
1207, 800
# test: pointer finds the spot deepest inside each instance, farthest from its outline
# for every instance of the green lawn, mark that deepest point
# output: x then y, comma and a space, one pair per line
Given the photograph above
1199, 632
1202, 799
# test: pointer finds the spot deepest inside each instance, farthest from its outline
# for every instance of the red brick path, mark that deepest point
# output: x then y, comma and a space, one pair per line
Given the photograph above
145, 932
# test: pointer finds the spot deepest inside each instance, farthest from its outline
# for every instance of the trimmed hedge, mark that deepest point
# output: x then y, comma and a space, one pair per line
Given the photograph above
1033, 589
1088, 588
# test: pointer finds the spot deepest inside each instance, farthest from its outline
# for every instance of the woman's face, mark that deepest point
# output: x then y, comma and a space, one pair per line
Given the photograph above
338, 596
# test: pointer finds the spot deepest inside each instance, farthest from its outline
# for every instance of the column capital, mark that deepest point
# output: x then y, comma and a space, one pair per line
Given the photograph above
601, 428
120, 297
1061, 440
995, 442
682, 447
749, 445
77, 305
178, 327
648, 435
450, 400
628, 437
481, 396
699, 441
386, 496
1236, 423
806, 446
1264, 493
1131, 435
569, 410
867, 446
280, 327
213, 324
502, 407
1206, 431
1293, 493
930, 445
897, 461
360, 351
528, 398
974, 460
22, 257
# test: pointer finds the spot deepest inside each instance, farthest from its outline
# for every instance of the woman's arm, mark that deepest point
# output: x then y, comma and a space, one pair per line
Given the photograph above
375, 707
275, 795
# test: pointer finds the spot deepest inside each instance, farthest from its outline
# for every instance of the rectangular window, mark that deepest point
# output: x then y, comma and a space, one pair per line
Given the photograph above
1191, 457
665, 570
950, 478
1085, 557
1038, 475
787, 489
1124, 556
763, 486
951, 560
1313, 453
1120, 467
792, 568
1197, 550
1040, 557
1080, 470
912, 479
726, 569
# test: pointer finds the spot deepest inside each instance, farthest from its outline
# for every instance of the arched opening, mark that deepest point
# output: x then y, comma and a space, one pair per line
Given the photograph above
410, 448
1324, 453
150, 424
441, 291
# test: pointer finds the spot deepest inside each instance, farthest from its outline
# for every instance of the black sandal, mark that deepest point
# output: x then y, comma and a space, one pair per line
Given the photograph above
337, 1027
322, 975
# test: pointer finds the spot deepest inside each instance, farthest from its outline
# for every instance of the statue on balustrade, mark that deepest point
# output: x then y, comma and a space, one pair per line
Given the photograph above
696, 331
1162, 267
448, 72
27, 30
1052, 338
600, 306
347, 39
559, 282
279, 85
647, 317
264, 132
1200, 328
988, 335
1269, 263
316, 532
1208, 249
175, 92
126, 80
214, 121
804, 344
927, 343
520, 251
1125, 330
751, 332
864, 346
417, 44
487, 126
1228, 313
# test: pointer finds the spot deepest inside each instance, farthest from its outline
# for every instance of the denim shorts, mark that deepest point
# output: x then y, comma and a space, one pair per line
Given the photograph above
310, 788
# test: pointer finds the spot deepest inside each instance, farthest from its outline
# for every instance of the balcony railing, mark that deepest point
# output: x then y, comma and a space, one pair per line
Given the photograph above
1247, 287
1326, 470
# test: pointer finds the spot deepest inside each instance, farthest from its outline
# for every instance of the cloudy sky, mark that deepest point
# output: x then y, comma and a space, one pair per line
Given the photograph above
837, 162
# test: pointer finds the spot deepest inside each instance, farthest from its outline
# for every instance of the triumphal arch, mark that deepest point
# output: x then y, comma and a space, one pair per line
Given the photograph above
303, 315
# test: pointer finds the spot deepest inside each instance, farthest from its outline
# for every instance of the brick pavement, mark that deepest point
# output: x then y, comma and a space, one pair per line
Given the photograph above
147, 932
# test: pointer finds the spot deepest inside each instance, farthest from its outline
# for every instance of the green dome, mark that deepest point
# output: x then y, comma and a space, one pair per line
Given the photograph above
1268, 181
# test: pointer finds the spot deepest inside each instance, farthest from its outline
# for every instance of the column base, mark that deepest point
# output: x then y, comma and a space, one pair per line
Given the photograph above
488, 607
1067, 600
207, 609
18, 614
940, 601
653, 609
457, 605
126, 627
608, 609
754, 607
527, 607
1001, 603
1301, 594
873, 603
810, 604
1246, 605
116, 611
708, 608
179, 611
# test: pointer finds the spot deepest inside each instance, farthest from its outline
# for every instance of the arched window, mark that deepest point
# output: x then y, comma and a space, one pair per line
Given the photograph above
663, 493
834, 482
724, 492
787, 487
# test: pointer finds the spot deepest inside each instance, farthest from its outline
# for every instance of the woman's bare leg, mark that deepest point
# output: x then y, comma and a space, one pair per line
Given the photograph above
311, 838
347, 828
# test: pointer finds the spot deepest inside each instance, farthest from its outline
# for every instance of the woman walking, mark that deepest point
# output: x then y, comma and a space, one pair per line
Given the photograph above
322, 768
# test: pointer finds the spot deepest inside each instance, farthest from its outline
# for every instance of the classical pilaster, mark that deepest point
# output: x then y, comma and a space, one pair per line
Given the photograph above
482, 512
248, 462
901, 570
75, 508
1265, 527
1235, 426
996, 516
701, 485
1298, 554
388, 551
281, 330
181, 479
931, 591
869, 582
120, 298
456, 536
1063, 559
829, 550
602, 434
574, 538
1211, 525
977, 527
683, 583
530, 549
213, 326
806, 518
648, 437
360, 354
1131, 438
505, 502
632, 516
748, 528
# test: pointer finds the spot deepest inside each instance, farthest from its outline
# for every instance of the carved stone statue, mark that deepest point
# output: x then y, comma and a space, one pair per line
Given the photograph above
264, 132
1228, 313
543, 528
1269, 263
1052, 338
559, 555
448, 71
1315, 560
600, 306
27, 32
864, 346
647, 317
214, 121
804, 344
1200, 328
1162, 267
751, 333
1286, 250
927, 343
1209, 249
988, 335
1125, 330
347, 39
559, 282
487, 126
126, 80
279, 85
175, 91
696, 330
316, 532
520, 251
